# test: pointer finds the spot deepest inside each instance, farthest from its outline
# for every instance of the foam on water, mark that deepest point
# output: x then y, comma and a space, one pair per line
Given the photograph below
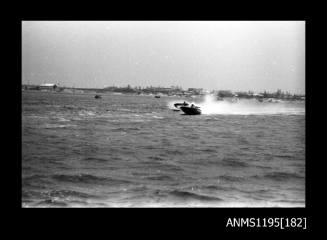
50, 126
248, 107
86, 113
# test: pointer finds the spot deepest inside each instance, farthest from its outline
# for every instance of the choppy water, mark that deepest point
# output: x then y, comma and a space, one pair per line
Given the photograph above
134, 151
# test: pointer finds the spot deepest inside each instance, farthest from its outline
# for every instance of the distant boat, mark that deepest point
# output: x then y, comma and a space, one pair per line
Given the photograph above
192, 110
97, 96
157, 96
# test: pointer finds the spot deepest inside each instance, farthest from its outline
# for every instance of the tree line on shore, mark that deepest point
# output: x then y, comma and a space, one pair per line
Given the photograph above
279, 94
177, 90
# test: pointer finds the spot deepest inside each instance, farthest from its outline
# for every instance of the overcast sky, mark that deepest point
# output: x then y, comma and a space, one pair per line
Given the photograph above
234, 55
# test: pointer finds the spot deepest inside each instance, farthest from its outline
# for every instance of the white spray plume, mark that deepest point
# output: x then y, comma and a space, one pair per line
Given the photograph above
248, 106
211, 105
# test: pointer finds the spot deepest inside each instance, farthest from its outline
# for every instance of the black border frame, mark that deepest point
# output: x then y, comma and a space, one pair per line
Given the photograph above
192, 218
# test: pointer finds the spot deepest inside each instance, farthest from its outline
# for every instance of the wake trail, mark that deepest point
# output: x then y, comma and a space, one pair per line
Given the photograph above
211, 106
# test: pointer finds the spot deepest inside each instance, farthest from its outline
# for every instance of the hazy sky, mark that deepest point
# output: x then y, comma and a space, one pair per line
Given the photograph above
235, 55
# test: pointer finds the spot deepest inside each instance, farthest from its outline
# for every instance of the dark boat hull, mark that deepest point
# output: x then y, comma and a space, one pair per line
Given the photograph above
191, 110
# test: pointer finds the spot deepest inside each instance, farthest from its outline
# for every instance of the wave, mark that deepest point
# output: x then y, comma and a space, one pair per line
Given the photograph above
234, 163
61, 119
95, 159
217, 187
88, 179
279, 176
125, 129
166, 166
292, 201
55, 198
52, 203
50, 126
36, 181
80, 178
73, 107
156, 158
185, 195
231, 178
86, 113
160, 178
70, 193
36, 116
34, 177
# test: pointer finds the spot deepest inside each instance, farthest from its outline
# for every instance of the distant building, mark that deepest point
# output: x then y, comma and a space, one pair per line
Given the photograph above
257, 95
48, 86
30, 87
195, 90
163, 89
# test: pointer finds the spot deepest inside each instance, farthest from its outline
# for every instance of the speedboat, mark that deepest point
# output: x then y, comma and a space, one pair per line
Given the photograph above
178, 105
191, 110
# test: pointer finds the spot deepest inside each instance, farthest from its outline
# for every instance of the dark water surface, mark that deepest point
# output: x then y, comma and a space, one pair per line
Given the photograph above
133, 151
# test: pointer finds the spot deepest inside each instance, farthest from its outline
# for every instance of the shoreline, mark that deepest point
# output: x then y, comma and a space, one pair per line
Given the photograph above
79, 92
